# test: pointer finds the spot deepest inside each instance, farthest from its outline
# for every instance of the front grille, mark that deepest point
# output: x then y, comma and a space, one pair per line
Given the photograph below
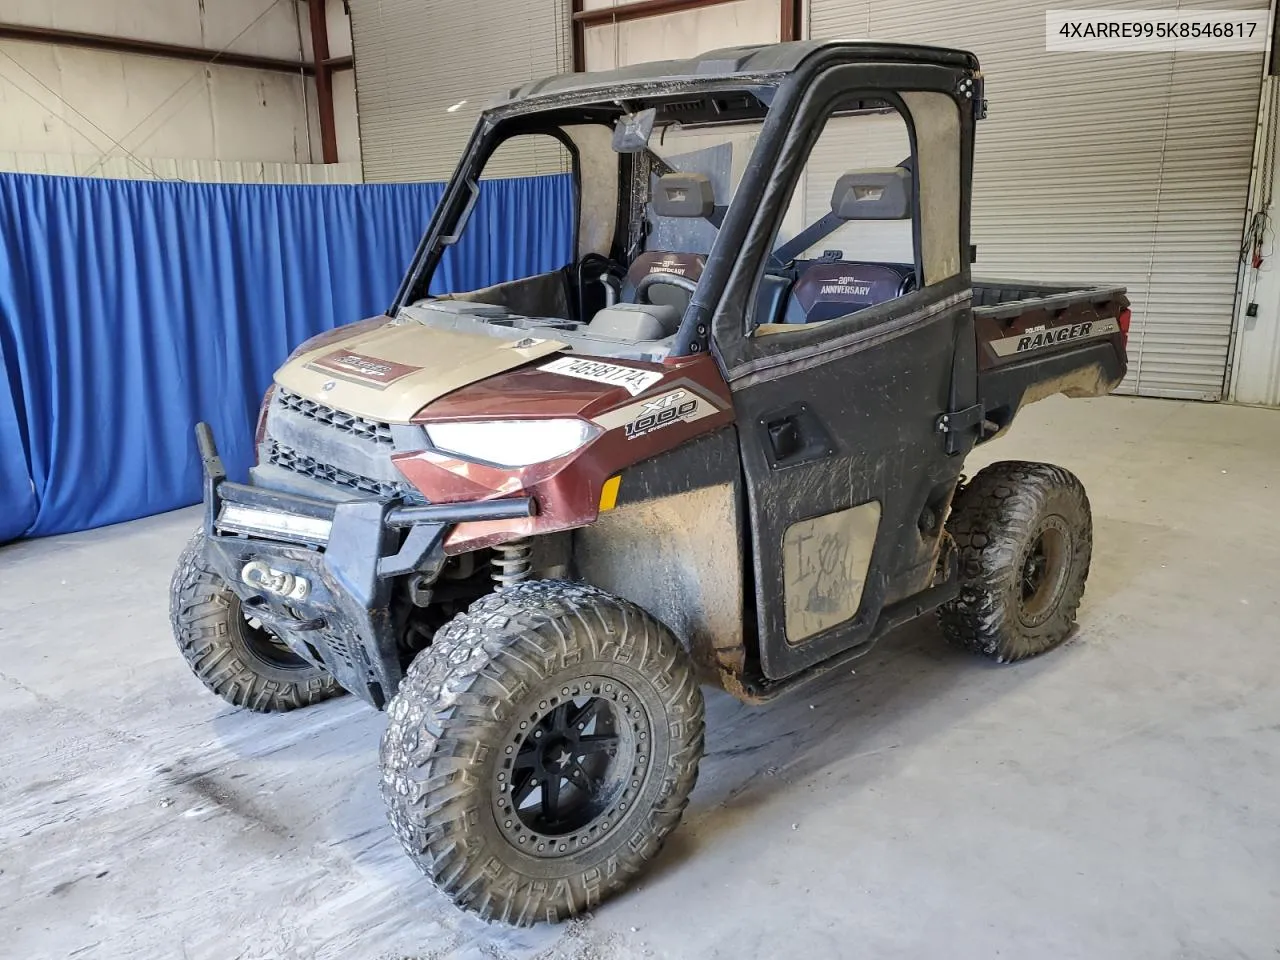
290, 459
365, 429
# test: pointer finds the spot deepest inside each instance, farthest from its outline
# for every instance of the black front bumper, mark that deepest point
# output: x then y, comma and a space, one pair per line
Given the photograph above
343, 621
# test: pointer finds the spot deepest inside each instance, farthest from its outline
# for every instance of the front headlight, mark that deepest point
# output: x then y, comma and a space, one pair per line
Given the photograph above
511, 443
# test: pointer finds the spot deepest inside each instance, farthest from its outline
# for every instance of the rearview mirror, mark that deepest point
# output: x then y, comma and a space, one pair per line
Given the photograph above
632, 131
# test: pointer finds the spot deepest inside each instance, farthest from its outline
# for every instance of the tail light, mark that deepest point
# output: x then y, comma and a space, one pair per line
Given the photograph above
1125, 316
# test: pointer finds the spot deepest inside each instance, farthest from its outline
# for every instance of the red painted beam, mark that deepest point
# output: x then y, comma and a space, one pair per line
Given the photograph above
636, 11
579, 38
324, 85
790, 20
150, 48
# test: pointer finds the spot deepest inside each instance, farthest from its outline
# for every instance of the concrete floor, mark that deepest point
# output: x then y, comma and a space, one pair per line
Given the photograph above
1119, 797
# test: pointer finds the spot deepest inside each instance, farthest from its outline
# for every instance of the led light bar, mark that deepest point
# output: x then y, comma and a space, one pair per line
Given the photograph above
238, 518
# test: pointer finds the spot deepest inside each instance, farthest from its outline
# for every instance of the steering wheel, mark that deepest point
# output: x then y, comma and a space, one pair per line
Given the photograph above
667, 279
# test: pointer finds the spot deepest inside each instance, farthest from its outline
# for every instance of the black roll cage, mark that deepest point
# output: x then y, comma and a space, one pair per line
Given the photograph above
832, 71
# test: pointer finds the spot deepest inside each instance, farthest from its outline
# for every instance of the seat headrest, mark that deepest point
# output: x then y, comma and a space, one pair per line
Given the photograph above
883, 194
683, 195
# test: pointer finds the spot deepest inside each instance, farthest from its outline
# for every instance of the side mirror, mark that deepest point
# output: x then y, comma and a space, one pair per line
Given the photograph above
632, 131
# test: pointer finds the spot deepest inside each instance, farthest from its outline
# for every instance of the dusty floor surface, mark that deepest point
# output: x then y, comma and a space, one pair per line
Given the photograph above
1119, 797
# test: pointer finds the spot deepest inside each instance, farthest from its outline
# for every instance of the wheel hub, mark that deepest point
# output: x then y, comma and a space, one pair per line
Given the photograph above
571, 766
262, 643
1044, 571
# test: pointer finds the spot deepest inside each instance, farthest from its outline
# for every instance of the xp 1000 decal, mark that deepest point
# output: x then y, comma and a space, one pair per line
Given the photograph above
683, 405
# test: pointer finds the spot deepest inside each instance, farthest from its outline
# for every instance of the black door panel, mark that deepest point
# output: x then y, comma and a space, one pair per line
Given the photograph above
876, 408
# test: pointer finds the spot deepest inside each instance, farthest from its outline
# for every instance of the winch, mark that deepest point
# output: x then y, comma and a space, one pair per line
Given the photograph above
283, 584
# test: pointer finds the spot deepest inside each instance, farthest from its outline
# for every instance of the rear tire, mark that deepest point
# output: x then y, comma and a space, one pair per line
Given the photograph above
551, 680
242, 663
1024, 533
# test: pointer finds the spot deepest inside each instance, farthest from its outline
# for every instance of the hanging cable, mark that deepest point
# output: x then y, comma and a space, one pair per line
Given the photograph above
1259, 228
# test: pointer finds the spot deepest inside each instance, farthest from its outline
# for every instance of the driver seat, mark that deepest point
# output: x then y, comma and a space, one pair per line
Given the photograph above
681, 196
688, 265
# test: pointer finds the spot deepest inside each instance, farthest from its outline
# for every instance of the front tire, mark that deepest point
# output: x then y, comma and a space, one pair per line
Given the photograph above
234, 657
540, 751
1024, 533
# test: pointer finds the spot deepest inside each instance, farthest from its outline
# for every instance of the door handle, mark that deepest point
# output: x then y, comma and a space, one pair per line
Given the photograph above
794, 435
784, 438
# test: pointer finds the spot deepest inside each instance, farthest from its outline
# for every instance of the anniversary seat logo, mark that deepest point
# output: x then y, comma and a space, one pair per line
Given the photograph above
846, 286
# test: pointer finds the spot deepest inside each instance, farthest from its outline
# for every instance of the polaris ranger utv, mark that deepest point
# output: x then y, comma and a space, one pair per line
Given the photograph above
722, 445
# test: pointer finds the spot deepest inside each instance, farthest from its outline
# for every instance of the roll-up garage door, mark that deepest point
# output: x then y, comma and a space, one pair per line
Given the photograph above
1127, 168
425, 69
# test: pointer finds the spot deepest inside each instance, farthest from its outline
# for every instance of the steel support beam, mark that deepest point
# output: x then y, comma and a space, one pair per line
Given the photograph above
790, 20
150, 48
324, 83
579, 37
636, 11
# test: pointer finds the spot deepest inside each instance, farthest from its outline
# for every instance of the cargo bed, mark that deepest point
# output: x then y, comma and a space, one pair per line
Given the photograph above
1037, 339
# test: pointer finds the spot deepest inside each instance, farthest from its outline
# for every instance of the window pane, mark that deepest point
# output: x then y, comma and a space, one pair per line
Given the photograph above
847, 240
847, 144
523, 221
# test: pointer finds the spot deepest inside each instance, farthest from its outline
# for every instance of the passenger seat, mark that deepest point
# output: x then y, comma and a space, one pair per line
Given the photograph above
827, 289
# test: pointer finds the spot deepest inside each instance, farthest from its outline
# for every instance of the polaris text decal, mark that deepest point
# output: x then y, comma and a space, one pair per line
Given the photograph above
1036, 338
361, 368
629, 378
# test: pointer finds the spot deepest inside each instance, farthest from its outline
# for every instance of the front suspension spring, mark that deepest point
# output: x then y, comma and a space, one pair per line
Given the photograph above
512, 562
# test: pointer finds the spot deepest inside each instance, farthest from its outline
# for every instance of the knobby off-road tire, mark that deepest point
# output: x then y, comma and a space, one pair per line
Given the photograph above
539, 680
237, 659
1024, 534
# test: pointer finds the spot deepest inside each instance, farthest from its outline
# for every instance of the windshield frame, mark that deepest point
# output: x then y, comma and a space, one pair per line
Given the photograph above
549, 115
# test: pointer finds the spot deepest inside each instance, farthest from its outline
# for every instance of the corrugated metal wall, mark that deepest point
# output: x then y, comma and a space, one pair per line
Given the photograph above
425, 69
1127, 168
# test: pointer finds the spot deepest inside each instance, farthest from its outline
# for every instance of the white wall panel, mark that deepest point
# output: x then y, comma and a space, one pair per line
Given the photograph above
344, 113
1256, 366
192, 23
683, 34
71, 102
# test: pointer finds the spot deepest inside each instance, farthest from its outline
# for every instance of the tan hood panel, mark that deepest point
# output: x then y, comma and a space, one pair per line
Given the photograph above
391, 372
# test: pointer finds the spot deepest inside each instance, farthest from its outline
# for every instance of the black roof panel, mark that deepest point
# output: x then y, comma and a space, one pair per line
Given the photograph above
776, 59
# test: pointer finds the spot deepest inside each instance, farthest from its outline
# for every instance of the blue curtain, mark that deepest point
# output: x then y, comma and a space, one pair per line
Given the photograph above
131, 309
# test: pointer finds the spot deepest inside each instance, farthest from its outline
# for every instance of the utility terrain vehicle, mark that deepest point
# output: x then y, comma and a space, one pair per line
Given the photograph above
722, 445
